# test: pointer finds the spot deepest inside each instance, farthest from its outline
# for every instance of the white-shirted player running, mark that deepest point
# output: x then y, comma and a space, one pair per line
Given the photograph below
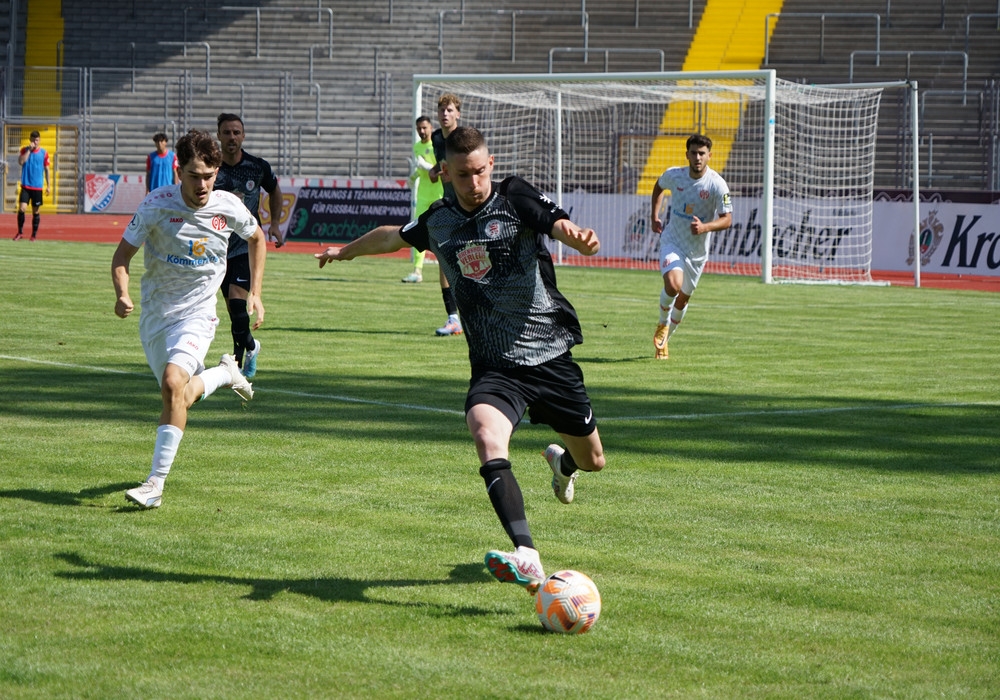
699, 205
185, 231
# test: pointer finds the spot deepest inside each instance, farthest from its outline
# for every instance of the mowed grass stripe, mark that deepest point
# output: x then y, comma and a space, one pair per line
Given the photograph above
435, 409
804, 501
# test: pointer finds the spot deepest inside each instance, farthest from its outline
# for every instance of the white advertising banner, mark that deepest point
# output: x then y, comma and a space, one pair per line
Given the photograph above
112, 193
955, 238
622, 221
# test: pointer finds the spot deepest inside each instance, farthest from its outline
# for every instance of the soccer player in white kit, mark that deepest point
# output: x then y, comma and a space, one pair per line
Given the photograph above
185, 230
699, 205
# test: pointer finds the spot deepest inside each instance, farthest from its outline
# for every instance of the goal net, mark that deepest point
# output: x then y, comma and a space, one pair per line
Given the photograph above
799, 160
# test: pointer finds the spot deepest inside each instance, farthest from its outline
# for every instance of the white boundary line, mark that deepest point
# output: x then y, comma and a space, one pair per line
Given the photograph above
328, 397
369, 402
797, 411
602, 419
52, 363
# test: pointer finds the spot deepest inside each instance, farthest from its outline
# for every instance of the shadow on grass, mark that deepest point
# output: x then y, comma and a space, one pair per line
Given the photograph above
66, 498
346, 331
803, 431
299, 402
610, 360
806, 429
329, 590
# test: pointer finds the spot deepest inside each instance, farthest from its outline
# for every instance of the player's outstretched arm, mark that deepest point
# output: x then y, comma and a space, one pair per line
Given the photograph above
120, 277
257, 244
699, 227
656, 205
582, 240
275, 202
384, 239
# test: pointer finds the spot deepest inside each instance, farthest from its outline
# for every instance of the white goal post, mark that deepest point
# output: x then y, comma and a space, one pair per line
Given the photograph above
799, 159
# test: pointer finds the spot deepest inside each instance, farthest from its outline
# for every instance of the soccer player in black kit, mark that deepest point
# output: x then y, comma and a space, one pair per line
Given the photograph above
244, 175
488, 239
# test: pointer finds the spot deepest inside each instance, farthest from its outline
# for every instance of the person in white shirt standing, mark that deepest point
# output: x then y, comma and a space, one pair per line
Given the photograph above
185, 231
699, 204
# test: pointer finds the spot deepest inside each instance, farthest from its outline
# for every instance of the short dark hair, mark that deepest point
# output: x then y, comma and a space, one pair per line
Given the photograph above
198, 144
159, 136
422, 118
464, 140
698, 140
228, 117
34, 135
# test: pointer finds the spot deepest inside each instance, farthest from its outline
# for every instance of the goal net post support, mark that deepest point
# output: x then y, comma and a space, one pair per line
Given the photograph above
799, 160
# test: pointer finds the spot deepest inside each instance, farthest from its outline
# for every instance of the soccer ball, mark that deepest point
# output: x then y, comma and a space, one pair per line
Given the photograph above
568, 602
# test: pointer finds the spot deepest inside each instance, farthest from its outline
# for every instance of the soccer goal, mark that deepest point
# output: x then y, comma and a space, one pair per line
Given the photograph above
799, 160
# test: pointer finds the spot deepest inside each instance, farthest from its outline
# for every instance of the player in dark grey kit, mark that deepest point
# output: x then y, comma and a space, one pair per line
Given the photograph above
244, 175
449, 112
489, 242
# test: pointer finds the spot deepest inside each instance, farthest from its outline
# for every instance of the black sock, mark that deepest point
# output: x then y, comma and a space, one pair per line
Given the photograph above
242, 337
449, 301
20, 222
567, 465
35, 218
505, 495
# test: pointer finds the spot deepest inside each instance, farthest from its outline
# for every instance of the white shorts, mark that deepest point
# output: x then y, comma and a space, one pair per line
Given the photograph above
184, 343
672, 257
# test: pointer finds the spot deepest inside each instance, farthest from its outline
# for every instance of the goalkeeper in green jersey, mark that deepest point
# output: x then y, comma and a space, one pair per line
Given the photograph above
426, 191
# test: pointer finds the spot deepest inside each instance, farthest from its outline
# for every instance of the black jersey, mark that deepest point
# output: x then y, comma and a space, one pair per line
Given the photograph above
437, 142
245, 180
502, 274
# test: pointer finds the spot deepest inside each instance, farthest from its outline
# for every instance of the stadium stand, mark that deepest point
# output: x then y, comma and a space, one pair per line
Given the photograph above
326, 87
923, 40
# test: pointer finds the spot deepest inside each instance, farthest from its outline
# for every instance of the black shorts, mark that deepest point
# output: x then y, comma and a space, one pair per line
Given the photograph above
238, 273
553, 392
29, 195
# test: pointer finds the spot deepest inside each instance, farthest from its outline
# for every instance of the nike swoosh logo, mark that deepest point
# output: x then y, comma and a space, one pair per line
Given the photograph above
238, 279
590, 416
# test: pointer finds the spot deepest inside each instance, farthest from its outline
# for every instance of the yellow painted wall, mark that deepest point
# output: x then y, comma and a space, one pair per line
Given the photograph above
42, 90
730, 36
41, 49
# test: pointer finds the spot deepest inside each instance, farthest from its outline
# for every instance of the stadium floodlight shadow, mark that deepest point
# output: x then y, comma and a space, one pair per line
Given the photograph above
330, 590
83, 497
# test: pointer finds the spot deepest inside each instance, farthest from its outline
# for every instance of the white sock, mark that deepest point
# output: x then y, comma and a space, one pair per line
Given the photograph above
666, 304
214, 378
168, 439
676, 316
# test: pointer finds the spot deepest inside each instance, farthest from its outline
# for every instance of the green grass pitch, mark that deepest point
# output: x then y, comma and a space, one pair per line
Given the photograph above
804, 501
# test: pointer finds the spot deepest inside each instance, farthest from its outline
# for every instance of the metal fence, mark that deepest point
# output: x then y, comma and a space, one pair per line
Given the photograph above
117, 110
113, 113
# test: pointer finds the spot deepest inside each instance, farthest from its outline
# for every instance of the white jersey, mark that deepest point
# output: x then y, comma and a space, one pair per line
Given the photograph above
185, 251
707, 198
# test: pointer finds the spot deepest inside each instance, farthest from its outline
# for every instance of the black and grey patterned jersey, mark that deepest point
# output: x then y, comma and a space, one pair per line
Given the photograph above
245, 180
438, 143
502, 274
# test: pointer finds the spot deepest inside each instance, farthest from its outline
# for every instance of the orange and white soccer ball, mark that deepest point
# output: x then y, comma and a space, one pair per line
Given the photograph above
568, 602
